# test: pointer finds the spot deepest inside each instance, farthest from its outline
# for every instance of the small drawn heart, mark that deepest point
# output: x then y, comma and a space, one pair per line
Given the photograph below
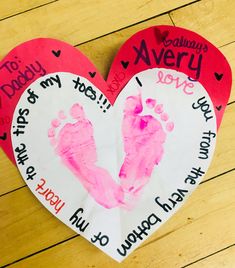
218, 76
4, 136
56, 53
92, 74
219, 107
121, 135
160, 36
125, 64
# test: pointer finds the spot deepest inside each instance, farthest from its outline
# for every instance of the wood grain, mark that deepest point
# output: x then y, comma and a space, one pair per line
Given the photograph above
14, 7
27, 226
213, 19
224, 258
10, 177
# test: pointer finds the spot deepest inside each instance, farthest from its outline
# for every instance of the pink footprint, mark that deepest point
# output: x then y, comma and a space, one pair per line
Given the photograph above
143, 137
75, 145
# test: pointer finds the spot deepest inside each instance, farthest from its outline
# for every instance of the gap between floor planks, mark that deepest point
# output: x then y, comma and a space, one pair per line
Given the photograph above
27, 10
53, 1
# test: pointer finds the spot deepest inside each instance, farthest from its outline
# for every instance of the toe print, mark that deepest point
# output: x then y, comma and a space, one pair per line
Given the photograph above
163, 116
143, 137
75, 145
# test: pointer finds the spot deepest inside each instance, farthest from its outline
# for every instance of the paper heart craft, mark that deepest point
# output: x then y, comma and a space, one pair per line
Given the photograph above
114, 160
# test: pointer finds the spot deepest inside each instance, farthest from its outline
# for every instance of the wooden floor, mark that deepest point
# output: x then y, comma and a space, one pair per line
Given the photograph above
202, 233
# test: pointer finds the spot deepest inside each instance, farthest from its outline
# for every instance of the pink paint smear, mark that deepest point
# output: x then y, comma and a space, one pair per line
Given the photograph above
143, 138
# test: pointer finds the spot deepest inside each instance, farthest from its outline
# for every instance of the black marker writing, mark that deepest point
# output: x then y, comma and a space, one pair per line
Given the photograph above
195, 173
176, 197
78, 221
30, 171
103, 105
203, 105
32, 96
21, 122
205, 144
103, 239
53, 80
87, 90
138, 234
21, 154
3, 137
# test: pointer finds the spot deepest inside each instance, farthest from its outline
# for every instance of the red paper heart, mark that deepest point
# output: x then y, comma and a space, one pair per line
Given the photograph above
134, 173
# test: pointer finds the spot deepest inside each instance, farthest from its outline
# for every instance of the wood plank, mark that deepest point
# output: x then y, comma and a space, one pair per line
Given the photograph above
213, 19
225, 258
13, 7
10, 177
228, 52
203, 226
76, 23
26, 226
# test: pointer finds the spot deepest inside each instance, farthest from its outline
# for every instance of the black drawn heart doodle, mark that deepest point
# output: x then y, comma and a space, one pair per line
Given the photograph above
218, 76
56, 53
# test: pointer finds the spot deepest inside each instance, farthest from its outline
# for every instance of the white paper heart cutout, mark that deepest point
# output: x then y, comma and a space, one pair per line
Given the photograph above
114, 174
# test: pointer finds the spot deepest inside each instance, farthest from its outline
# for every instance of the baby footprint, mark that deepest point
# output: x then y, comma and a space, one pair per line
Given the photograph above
75, 145
143, 137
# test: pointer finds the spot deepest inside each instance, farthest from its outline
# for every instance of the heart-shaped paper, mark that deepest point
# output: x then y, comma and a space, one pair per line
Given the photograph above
131, 165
